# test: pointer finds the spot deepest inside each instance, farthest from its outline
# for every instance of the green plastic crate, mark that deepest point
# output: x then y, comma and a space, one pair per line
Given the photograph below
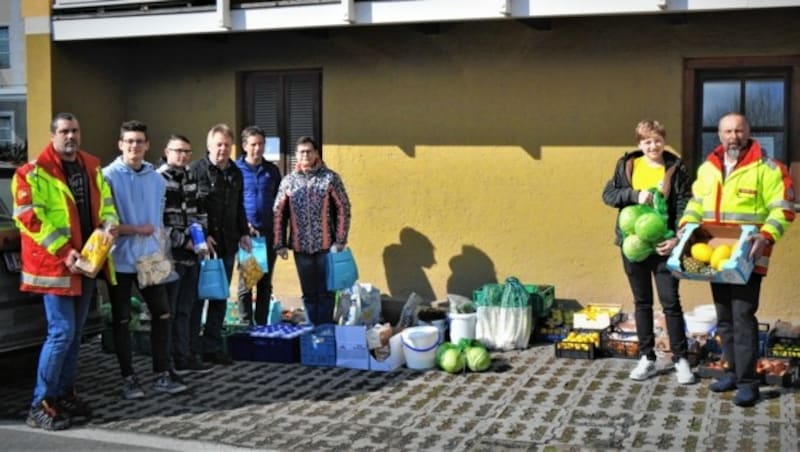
542, 298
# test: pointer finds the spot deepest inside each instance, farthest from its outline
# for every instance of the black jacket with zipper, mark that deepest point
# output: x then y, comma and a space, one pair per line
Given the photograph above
220, 192
677, 189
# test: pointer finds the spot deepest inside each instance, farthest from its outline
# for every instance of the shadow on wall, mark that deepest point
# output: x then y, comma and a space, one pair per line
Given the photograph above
404, 263
470, 270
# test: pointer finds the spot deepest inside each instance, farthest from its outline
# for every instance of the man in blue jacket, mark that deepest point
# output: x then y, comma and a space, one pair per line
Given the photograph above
261, 180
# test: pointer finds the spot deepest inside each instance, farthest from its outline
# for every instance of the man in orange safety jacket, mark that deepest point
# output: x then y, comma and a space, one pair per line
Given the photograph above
59, 200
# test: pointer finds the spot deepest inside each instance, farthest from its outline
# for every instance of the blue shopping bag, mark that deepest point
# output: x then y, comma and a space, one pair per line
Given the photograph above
341, 270
258, 251
213, 281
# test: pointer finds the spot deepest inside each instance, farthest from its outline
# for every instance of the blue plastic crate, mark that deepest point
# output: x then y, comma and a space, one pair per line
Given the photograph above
245, 347
318, 348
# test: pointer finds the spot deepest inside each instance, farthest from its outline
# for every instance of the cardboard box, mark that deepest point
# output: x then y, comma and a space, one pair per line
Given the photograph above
351, 347
736, 269
395, 359
597, 316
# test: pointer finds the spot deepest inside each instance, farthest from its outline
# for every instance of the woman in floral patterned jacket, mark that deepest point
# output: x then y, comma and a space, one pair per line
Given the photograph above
312, 203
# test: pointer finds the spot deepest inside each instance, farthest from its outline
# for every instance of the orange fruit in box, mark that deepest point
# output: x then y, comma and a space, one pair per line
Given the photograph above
702, 252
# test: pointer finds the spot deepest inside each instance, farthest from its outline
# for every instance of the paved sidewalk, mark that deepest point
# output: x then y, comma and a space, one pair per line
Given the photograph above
529, 400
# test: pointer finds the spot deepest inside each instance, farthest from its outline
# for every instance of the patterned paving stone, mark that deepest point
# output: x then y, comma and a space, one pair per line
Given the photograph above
529, 400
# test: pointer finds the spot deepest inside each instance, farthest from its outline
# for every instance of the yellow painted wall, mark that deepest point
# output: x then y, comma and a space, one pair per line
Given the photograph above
491, 141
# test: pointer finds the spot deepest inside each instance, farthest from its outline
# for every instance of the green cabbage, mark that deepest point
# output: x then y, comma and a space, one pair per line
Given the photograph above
452, 361
636, 249
443, 347
629, 215
650, 227
478, 359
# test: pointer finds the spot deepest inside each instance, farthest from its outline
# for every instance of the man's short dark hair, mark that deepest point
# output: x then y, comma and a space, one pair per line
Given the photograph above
177, 136
63, 116
250, 131
307, 140
133, 126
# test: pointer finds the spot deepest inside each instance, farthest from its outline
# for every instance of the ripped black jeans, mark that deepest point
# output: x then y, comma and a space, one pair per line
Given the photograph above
157, 304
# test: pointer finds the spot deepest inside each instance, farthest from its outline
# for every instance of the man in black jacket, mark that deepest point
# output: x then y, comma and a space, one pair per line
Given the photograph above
220, 192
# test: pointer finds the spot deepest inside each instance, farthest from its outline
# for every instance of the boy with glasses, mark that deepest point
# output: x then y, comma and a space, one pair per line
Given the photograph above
139, 198
181, 209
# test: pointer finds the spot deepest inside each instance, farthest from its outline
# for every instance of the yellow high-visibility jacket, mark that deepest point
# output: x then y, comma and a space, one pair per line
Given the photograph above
49, 223
757, 191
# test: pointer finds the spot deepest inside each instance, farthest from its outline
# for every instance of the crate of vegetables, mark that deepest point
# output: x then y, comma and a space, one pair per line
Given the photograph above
776, 372
619, 344
579, 345
783, 341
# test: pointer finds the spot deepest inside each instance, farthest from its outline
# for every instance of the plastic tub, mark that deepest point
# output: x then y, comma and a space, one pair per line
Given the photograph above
462, 326
705, 311
440, 324
699, 324
419, 346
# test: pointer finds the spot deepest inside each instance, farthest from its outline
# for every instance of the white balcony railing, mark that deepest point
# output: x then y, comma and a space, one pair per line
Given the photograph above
97, 19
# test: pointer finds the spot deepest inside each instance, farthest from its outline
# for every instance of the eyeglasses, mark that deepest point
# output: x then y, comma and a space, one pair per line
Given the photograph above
131, 141
181, 151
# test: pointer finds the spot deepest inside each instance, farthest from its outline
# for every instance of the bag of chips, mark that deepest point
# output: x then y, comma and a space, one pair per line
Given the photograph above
94, 253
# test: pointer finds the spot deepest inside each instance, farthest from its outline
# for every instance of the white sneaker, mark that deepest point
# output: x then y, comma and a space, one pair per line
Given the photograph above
684, 372
644, 370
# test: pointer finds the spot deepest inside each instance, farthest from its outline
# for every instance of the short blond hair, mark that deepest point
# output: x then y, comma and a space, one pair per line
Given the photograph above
649, 127
220, 128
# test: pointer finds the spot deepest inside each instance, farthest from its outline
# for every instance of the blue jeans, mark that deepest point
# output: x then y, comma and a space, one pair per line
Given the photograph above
58, 359
318, 301
186, 312
215, 315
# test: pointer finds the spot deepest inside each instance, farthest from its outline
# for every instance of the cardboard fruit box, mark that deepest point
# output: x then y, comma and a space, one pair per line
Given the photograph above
597, 316
736, 270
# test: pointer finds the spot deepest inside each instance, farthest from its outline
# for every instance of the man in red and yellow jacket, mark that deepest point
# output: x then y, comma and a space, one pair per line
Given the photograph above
59, 200
740, 184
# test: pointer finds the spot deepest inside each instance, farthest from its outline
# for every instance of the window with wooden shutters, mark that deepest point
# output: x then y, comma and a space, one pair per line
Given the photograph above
285, 105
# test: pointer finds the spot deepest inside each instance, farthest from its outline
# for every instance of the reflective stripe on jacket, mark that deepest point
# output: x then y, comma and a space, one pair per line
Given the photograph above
758, 191
49, 223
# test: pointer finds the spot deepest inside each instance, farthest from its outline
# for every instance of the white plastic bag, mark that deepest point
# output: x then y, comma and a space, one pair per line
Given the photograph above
156, 266
505, 324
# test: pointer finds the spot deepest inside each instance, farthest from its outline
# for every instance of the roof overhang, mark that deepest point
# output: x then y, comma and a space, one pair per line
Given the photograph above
92, 19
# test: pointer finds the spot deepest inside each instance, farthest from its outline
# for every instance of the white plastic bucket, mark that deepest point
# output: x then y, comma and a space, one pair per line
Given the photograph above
441, 324
419, 346
462, 326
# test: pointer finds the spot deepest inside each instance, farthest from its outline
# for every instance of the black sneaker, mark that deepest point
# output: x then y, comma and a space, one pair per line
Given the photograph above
164, 383
73, 406
176, 377
131, 388
193, 365
46, 416
218, 358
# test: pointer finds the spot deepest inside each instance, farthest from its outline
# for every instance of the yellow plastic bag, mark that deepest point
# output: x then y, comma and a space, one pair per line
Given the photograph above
251, 271
94, 254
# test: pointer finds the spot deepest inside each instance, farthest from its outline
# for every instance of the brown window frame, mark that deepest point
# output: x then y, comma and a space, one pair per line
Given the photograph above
737, 66
248, 81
